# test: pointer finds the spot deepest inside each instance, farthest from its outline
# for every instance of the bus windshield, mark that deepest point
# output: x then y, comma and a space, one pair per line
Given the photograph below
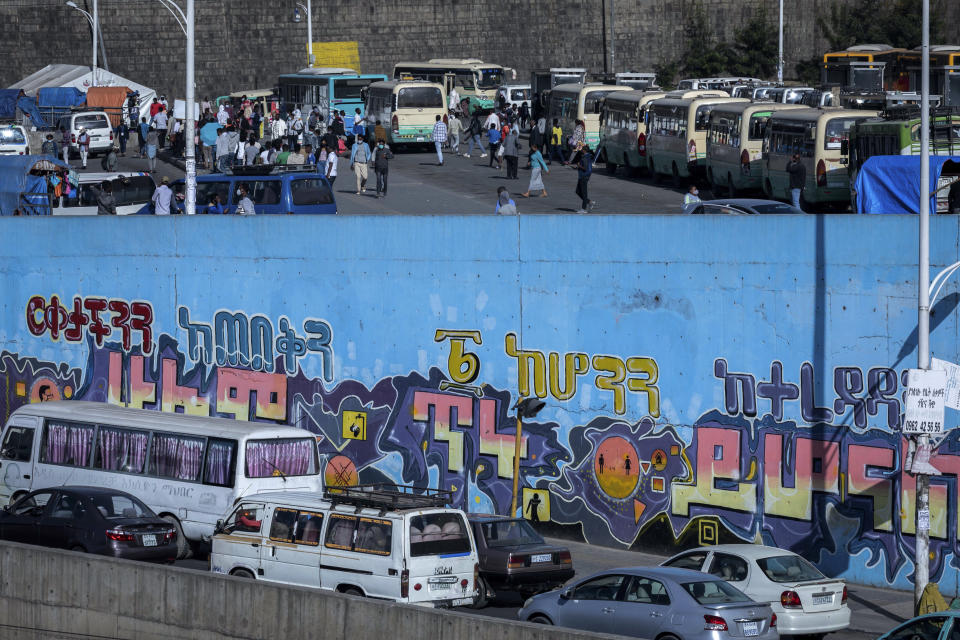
419, 98
489, 78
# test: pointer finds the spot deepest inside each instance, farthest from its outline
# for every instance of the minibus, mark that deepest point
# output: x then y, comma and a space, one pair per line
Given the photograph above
407, 110
571, 102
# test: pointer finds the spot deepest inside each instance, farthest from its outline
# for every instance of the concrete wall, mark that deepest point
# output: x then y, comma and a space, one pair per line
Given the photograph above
48, 594
706, 378
245, 44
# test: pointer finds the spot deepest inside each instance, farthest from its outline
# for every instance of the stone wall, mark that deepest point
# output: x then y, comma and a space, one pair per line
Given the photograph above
243, 44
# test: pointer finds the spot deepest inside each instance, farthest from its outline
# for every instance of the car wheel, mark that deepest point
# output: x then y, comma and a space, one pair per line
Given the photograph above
183, 546
538, 619
668, 636
731, 188
242, 573
482, 600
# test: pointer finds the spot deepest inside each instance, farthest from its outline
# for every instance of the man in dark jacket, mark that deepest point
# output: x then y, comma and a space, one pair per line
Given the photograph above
798, 178
584, 171
106, 202
381, 156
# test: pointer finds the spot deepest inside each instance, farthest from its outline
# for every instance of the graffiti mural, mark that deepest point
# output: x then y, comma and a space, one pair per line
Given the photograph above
699, 413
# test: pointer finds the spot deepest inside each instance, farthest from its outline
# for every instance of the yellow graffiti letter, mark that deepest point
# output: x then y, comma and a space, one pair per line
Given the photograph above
462, 366
612, 382
646, 385
523, 360
575, 364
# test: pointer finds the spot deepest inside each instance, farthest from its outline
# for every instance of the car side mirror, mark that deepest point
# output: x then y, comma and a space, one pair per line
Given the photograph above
219, 528
567, 594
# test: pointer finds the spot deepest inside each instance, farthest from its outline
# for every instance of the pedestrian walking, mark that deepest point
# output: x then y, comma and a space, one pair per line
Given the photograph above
505, 204
556, 138
439, 137
381, 157
798, 179
252, 151
330, 166
222, 116
474, 131
122, 134
493, 139
584, 171
222, 147
106, 202
153, 142
278, 129
511, 153
142, 130
49, 147
160, 122
296, 156
83, 144
163, 196
208, 140
453, 132
537, 167
295, 129
577, 141
359, 157
524, 114
109, 161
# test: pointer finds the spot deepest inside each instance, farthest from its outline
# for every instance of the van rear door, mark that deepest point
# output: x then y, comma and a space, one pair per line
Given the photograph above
442, 558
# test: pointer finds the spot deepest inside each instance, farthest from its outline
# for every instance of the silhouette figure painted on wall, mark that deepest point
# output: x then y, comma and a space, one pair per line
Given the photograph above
626, 463
533, 508
600, 462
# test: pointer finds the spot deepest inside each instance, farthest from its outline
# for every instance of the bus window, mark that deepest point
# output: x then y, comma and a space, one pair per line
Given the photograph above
837, 130
262, 192
349, 88
463, 79
176, 456
419, 98
17, 444
489, 78
67, 443
703, 117
281, 457
220, 463
120, 450
206, 191
593, 101
758, 125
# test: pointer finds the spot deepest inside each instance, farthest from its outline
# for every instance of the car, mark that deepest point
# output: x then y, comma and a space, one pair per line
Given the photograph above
806, 602
740, 206
513, 557
654, 602
92, 520
131, 189
14, 141
943, 625
97, 124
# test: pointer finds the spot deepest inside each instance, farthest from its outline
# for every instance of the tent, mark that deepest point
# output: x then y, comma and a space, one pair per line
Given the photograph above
80, 77
17, 183
891, 184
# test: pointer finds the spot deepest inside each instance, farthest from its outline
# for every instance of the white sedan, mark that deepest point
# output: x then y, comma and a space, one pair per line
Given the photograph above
806, 602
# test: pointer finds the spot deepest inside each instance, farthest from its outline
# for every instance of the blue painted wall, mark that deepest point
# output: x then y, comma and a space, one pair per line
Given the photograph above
705, 378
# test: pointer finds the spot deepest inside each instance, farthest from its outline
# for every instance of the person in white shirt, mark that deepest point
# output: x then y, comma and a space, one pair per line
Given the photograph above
493, 118
331, 166
245, 207
162, 198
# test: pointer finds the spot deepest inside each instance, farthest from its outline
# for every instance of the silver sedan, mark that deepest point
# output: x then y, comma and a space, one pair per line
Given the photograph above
654, 602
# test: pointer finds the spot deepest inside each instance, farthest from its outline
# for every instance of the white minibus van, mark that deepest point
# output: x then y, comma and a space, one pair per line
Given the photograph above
382, 541
190, 470
407, 110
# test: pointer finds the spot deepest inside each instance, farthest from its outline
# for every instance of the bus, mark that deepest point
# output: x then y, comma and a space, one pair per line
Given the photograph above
677, 135
817, 136
326, 88
735, 145
189, 469
576, 101
623, 129
407, 110
897, 132
474, 80
865, 67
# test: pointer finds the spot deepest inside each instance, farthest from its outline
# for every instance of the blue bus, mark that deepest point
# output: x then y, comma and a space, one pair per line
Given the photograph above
326, 88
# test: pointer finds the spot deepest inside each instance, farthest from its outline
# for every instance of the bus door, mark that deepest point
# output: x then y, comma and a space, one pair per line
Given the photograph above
16, 455
449, 82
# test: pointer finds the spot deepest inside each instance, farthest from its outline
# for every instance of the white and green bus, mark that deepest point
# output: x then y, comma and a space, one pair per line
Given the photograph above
817, 136
735, 145
475, 80
407, 110
575, 101
623, 125
677, 135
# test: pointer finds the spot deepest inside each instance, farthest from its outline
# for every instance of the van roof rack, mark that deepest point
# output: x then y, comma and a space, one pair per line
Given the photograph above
270, 169
386, 496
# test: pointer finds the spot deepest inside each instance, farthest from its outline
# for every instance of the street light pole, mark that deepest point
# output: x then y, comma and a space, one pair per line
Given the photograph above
780, 48
296, 18
921, 553
95, 27
190, 147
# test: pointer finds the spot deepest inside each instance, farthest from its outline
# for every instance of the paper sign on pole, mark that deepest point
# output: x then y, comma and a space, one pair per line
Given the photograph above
923, 401
952, 389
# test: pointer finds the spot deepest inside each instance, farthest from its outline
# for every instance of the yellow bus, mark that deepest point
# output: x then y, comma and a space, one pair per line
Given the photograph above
575, 101
407, 110
817, 136
735, 145
677, 135
473, 79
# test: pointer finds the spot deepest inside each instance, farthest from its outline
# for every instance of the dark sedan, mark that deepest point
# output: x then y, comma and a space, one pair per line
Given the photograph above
513, 557
90, 519
735, 206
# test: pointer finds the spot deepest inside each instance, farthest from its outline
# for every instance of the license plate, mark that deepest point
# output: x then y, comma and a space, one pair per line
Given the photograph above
440, 586
541, 557
827, 599
149, 540
751, 629
419, 138
459, 602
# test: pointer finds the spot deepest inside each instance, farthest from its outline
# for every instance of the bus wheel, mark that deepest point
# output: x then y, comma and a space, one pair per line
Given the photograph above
676, 176
183, 545
731, 188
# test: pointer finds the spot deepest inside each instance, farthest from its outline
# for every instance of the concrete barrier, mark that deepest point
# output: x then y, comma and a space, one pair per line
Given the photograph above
49, 594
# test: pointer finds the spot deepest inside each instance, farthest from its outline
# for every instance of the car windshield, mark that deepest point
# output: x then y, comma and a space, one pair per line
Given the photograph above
435, 534
773, 207
489, 78
714, 592
508, 533
113, 506
11, 136
790, 568
95, 121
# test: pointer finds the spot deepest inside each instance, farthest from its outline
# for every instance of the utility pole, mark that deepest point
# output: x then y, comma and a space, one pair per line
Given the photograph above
189, 123
96, 29
613, 35
922, 550
780, 48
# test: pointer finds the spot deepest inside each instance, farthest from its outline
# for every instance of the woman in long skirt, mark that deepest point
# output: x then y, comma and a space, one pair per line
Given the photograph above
153, 141
537, 167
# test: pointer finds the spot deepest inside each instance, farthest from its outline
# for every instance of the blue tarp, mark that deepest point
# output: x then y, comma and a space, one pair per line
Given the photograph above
8, 103
891, 184
15, 179
60, 97
29, 107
